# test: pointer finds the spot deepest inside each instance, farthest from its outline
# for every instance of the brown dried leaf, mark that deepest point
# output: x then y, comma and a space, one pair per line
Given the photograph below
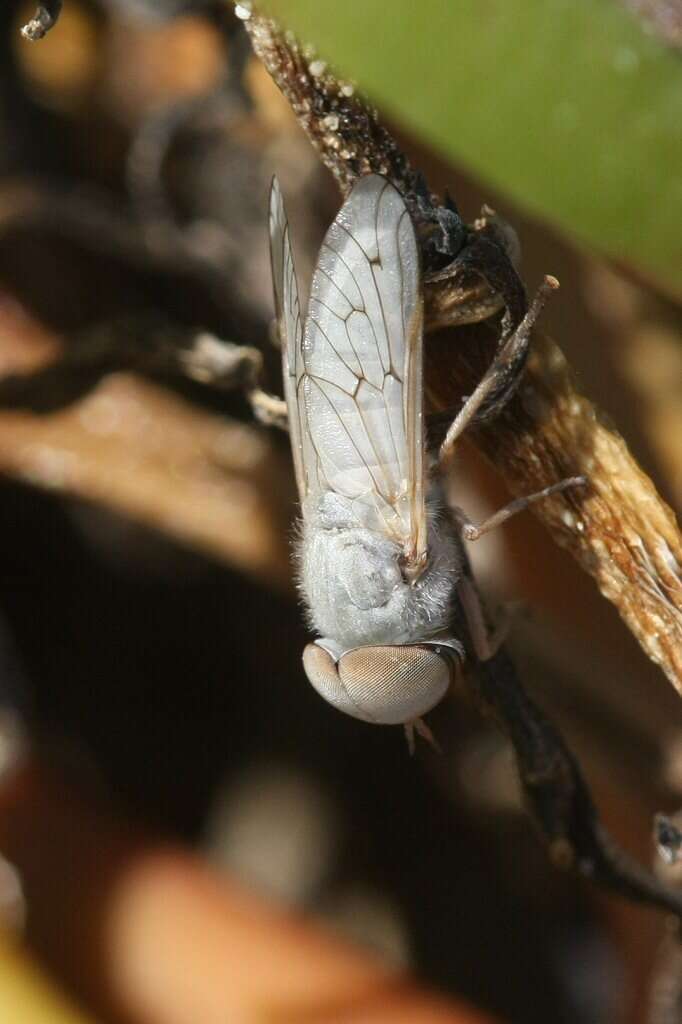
212, 482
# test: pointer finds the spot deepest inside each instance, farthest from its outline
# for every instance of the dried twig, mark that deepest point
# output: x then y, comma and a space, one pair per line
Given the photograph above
620, 530
665, 1005
42, 21
351, 142
88, 217
665, 994
668, 838
557, 794
145, 343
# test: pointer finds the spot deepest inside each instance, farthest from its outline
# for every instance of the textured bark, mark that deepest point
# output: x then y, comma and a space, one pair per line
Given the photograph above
44, 19
619, 528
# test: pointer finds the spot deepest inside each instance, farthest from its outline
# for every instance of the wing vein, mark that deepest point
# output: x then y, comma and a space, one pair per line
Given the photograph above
353, 365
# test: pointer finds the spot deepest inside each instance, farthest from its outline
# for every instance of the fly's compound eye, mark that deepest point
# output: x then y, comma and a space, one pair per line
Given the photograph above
385, 685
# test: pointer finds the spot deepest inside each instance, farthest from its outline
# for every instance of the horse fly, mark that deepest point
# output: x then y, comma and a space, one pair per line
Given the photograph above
379, 566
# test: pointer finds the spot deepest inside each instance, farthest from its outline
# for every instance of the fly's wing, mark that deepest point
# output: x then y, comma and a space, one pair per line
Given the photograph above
289, 325
359, 388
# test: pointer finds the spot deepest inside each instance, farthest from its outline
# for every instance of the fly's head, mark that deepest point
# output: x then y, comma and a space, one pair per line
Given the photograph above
387, 685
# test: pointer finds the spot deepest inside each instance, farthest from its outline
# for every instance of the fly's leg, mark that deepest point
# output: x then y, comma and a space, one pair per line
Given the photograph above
486, 642
471, 531
498, 379
420, 727
555, 791
505, 618
502, 375
475, 619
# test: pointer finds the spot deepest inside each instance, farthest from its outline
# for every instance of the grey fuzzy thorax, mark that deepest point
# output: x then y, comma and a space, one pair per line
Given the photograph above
353, 585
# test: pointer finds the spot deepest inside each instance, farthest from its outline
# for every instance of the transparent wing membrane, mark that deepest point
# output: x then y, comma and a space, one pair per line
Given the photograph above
289, 324
353, 377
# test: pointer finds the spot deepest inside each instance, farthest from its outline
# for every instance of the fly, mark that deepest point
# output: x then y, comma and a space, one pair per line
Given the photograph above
379, 567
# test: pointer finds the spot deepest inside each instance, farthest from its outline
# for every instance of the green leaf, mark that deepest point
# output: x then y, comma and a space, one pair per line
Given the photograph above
568, 106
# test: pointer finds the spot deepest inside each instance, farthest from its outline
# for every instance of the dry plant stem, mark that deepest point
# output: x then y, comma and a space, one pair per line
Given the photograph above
554, 788
343, 128
618, 528
469, 272
556, 792
665, 996
666, 991
42, 21
352, 142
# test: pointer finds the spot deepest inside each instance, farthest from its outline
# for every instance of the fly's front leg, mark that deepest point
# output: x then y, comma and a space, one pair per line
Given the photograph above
471, 531
484, 649
501, 377
419, 726
486, 642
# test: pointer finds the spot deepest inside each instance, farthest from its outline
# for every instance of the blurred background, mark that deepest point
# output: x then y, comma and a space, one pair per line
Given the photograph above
171, 787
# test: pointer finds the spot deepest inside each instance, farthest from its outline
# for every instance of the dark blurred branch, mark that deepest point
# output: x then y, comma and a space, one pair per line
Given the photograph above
90, 218
668, 838
665, 994
42, 21
144, 344
557, 794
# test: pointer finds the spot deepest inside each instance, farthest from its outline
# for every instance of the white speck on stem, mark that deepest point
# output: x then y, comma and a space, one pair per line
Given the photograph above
668, 558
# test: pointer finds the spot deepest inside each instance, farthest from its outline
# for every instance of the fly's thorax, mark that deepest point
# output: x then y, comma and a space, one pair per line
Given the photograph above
355, 586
